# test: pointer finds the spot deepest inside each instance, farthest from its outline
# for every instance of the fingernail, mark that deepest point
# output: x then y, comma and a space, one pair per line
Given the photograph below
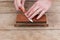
37, 18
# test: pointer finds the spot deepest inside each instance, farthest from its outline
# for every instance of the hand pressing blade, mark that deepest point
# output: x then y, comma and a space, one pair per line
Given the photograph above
26, 15
39, 7
19, 5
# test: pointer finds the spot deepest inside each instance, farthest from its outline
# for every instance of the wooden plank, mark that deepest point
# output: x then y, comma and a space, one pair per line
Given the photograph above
31, 25
29, 0
9, 7
12, 0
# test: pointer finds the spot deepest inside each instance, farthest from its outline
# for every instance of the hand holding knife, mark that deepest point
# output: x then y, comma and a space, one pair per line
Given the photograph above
39, 7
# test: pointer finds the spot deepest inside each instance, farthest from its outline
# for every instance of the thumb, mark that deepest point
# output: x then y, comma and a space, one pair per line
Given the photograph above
22, 8
23, 2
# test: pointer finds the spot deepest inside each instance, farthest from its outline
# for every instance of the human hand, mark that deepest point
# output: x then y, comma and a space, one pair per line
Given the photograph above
19, 5
40, 7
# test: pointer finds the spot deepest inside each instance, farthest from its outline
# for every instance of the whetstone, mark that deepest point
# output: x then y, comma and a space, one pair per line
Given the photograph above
23, 21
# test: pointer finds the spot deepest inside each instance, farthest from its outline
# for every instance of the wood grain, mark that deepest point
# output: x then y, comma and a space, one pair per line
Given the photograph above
29, 33
9, 6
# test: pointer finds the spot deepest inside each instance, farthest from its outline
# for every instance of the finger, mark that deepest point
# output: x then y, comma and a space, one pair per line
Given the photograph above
16, 5
22, 8
41, 14
29, 18
30, 9
23, 2
36, 12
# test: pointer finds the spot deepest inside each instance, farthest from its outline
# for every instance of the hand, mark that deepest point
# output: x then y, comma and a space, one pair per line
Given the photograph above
19, 5
40, 7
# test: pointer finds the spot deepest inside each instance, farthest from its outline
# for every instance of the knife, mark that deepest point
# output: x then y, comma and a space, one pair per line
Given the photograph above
25, 14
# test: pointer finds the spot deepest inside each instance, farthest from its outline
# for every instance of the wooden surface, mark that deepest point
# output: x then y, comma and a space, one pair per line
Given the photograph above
8, 12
